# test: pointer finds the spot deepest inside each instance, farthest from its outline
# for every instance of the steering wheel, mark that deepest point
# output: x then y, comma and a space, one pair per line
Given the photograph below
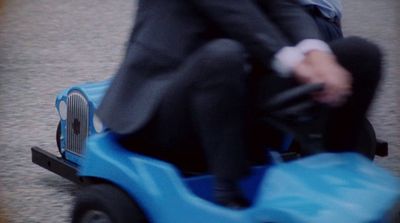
287, 109
293, 96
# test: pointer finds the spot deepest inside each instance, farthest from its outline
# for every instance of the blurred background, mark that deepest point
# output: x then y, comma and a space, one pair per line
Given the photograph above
48, 45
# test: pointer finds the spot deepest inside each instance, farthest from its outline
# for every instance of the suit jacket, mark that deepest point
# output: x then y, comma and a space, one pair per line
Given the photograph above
165, 33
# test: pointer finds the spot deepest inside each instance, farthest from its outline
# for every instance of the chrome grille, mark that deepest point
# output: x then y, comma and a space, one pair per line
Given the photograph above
77, 122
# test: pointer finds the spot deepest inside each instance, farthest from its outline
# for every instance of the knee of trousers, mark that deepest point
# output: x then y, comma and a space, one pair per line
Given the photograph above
224, 58
368, 57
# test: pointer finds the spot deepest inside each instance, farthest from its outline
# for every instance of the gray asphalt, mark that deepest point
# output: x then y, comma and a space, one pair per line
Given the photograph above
48, 45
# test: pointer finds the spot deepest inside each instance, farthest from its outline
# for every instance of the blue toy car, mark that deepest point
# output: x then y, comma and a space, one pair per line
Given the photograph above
123, 186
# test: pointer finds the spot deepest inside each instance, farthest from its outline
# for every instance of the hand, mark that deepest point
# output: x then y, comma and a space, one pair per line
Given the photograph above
322, 67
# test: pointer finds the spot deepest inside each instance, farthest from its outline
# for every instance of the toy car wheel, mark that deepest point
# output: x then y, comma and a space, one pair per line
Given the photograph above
58, 138
104, 203
367, 140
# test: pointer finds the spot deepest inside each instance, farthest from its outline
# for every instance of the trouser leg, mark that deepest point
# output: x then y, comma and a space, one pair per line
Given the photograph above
217, 97
364, 61
205, 105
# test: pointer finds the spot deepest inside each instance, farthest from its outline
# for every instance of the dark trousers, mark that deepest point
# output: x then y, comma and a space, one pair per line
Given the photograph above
212, 108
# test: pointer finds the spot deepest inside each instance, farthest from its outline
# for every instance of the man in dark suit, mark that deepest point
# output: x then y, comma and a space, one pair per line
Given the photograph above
186, 81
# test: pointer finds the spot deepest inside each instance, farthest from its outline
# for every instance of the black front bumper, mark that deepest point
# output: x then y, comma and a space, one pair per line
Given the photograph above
56, 164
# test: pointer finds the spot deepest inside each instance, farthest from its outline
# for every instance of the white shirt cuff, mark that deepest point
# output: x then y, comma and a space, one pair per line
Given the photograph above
308, 45
285, 60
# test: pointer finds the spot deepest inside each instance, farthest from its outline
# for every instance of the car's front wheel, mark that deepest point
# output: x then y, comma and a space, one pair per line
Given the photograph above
104, 203
58, 139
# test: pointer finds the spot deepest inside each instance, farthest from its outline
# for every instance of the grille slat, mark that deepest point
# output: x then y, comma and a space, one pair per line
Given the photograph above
77, 122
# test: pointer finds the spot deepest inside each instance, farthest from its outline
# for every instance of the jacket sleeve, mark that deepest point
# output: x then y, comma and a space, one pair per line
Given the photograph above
244, 21
291, 18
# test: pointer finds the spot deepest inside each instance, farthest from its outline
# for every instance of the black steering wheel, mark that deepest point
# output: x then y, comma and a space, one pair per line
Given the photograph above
288, 109
293, 96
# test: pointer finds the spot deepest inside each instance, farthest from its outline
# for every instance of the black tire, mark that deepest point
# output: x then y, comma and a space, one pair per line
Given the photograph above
367, 140
58, 138
104, 203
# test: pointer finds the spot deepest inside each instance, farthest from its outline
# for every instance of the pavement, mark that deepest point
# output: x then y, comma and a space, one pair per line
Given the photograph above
47, 45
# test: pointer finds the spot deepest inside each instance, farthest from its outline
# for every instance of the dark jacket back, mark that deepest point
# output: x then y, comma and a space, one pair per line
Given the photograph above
165, 33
